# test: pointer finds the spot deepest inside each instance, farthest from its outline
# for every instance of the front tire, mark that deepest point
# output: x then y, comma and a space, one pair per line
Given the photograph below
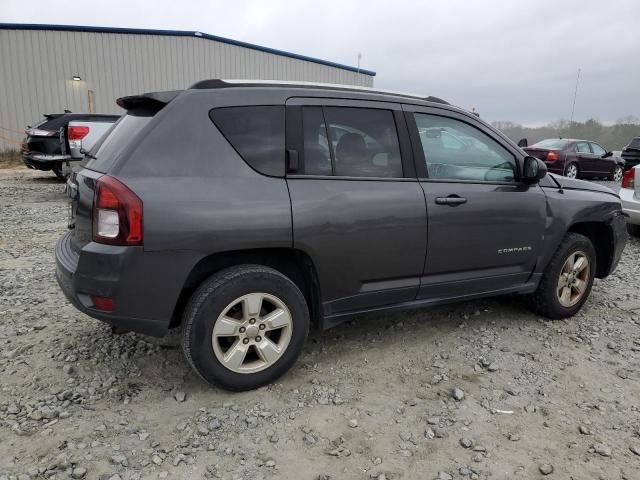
567, 281
244, 327
633, 230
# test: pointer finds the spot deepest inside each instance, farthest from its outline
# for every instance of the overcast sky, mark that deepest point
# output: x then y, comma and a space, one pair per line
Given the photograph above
511, 60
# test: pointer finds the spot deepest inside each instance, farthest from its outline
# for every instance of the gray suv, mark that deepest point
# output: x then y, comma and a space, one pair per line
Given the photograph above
247, 212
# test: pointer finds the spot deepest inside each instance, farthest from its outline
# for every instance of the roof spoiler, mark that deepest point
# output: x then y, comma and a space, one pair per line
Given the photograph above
154, 100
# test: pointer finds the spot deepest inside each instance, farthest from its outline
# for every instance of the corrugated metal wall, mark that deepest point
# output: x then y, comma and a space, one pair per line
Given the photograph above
36, 69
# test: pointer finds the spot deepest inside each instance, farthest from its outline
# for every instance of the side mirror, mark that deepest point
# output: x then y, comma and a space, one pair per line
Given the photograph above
534, 170
607, 155
523, 143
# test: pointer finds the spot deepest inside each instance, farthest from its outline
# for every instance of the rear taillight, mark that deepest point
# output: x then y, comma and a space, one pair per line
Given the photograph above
77, 133
117, 213
628, 179
551, 157
36, 132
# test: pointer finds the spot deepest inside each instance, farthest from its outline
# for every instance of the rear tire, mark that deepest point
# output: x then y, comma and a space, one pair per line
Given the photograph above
572, 171
244, 327
561, 294
59, 172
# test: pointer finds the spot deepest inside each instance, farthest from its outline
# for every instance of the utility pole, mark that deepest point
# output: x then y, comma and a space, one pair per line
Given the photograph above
575, 94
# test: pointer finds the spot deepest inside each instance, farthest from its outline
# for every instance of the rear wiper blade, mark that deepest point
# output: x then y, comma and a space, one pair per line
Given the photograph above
84, 152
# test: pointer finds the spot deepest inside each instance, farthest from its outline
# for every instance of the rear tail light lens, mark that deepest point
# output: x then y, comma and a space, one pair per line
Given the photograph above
36, 132
77, 133
117, 213
628, 179
551, 157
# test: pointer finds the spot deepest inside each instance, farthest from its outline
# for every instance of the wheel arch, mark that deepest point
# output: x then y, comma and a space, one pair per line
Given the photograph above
293, 263
602, 237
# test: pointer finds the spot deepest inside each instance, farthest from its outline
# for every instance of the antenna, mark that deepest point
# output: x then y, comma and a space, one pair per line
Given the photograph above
359, 58
575, 94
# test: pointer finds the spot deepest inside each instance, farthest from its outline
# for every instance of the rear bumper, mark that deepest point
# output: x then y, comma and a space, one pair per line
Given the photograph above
43, 161
630, 205
144, 287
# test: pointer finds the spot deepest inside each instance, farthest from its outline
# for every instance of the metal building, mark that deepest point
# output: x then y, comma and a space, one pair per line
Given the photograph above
50, 68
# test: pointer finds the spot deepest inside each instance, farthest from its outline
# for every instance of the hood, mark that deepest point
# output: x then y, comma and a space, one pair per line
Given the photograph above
575, 184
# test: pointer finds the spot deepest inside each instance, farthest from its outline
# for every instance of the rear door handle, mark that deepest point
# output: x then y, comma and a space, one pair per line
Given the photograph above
451, 200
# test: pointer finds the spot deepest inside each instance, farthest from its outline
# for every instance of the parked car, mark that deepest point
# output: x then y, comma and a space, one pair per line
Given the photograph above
205, 209
577, 158
58, 139
631, 153
630, 197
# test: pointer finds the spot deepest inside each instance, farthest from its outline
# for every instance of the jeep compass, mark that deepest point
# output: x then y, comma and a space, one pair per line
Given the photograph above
246, 212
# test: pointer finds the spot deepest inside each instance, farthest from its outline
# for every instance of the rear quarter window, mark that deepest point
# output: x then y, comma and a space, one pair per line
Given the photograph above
256, 133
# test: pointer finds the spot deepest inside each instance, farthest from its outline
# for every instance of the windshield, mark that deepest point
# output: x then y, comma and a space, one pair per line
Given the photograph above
551, 144
104, 154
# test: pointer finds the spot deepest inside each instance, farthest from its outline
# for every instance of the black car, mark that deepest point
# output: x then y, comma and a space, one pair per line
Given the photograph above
631, 154
575, 158
246, 213
46, 146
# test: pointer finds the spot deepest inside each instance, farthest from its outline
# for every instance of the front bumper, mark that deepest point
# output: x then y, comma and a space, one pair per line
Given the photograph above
630, 205
144, 287
620, 236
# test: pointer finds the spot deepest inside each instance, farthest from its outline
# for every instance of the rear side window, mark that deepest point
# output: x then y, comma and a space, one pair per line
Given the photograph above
351, 142
582, 147
256, 133
110, 146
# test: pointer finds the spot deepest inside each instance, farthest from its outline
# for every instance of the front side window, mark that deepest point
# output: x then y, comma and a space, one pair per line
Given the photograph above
454, 150
256, 133
597, 149
582, 147
350, 142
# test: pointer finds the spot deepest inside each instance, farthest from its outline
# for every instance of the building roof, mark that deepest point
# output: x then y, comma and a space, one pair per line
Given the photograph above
179, 33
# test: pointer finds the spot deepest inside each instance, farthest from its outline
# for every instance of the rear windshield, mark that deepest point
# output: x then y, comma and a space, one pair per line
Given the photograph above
551, 143
52, 124
104, 153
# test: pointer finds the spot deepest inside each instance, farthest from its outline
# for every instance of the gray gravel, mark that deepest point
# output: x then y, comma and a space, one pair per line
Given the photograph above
476, 390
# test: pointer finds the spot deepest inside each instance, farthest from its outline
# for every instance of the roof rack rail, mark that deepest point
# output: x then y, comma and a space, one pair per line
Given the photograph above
224, 83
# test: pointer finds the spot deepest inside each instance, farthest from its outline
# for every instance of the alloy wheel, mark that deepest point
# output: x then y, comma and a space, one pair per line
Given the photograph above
572, 171
252, 333
617, 174
573, 279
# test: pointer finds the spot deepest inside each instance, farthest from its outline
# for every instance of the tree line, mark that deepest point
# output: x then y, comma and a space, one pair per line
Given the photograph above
612, 137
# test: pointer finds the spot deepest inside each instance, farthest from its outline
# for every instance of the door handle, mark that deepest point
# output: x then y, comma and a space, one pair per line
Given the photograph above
451, 200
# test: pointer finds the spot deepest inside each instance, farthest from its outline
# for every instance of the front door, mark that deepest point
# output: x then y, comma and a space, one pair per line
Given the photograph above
358, 209
604, 166
485, 227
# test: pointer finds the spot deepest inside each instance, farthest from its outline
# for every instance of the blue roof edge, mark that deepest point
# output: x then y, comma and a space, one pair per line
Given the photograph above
180, 33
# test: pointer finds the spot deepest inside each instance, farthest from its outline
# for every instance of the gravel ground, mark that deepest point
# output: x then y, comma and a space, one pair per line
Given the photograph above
480, 390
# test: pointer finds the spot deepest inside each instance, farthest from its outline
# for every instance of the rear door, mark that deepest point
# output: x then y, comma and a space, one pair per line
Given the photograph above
586, 160
358, 210
485, 226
